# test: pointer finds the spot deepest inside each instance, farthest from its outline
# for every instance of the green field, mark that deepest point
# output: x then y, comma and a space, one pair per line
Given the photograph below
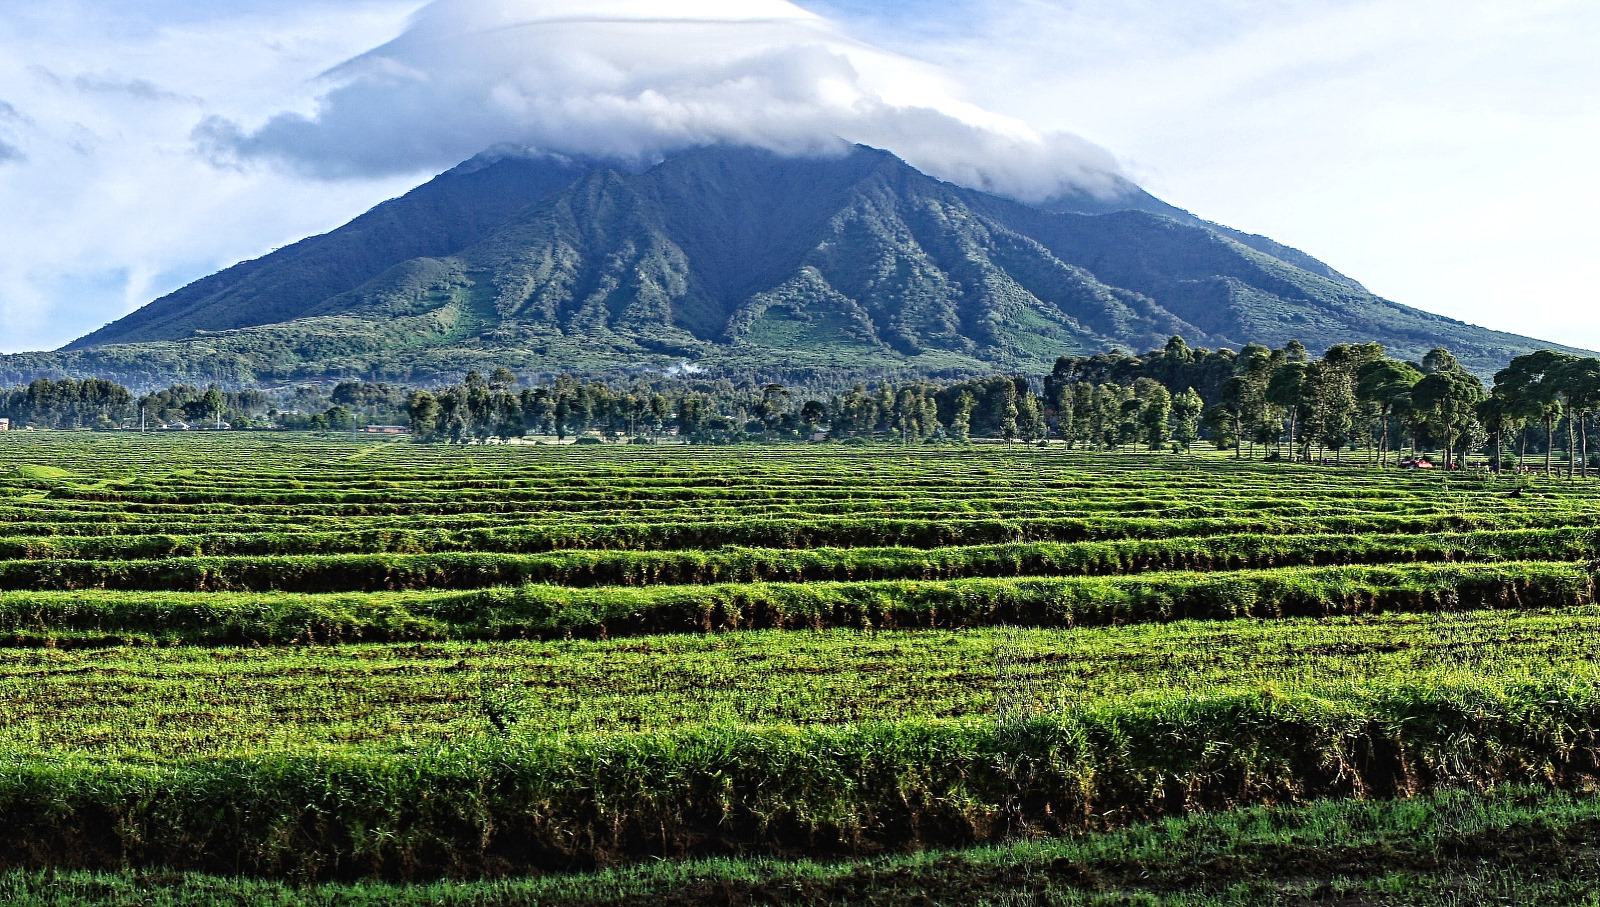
1514, 846
232, 666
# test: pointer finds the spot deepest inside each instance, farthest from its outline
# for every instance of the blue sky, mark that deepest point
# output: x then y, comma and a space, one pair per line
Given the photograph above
914, 19
1438, 151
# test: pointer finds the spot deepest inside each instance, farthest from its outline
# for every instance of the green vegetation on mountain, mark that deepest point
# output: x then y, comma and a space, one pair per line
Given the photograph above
739, 259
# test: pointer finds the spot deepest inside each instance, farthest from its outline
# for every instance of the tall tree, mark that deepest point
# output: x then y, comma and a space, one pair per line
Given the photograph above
1498, 415
1008, 412
1580, 386
961, 424
1387, 384
1186, 408
1533, 387
1449, 398
1030, 415
1287, 389
1157, 410
1083, 415
423, 409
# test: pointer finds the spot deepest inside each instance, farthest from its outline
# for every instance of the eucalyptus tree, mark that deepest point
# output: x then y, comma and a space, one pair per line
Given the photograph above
423, 409
1245, 394
1230, 412
1186, 408
1064, 414
854, 412
1008, 411
1031, 425
1220, 424
1440, 359
1338, 391
502, 379
1287, 389
1532, 385
691, 415
509, 420
1499, 415
961, 422
1130, 419
1331, 405
661, 410
1387, 385
1448, 399
1157, 410
1083, 415
813, 413
1351, 359
907, 415
1108, 414
883, 411
1580, 381
773, 404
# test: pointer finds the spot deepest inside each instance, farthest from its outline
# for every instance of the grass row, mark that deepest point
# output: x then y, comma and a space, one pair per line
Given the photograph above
496, 808
476, 570
101, 618
153, 706
1513, 845
167, 538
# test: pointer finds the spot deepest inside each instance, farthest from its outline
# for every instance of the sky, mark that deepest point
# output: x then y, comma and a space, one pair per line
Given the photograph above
1439, 152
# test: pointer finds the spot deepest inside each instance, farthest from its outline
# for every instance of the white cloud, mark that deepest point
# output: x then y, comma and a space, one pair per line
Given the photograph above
1437, 150
107, 204
637, 80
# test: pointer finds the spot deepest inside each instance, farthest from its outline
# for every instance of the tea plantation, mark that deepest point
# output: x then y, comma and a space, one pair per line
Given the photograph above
269, 669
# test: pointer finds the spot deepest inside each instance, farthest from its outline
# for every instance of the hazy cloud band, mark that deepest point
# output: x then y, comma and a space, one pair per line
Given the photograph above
619, 80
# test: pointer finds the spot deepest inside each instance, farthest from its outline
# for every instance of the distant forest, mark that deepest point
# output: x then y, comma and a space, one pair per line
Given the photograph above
1259, 402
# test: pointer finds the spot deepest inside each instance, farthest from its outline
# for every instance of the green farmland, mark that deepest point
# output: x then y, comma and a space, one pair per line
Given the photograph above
267, 669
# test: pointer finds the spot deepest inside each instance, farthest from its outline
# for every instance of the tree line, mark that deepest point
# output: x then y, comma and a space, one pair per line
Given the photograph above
1354, 396
94, 403
67, 404
1258, 402
1009, 408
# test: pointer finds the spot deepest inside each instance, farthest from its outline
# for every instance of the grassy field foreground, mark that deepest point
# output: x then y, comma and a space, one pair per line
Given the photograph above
1511, 847
308, 661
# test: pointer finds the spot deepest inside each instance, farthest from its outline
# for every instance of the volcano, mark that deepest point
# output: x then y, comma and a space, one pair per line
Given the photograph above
738, 258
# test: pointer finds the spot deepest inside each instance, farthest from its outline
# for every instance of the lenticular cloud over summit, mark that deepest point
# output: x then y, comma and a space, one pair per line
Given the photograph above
635, 80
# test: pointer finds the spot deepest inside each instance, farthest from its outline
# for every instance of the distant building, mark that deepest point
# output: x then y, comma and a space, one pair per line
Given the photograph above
5, 424
387, 430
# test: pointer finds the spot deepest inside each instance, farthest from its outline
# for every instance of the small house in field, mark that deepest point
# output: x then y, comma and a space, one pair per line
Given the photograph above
387, 430
5, 424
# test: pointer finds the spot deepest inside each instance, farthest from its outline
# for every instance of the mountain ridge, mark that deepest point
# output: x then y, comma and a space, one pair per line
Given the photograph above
739, 258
